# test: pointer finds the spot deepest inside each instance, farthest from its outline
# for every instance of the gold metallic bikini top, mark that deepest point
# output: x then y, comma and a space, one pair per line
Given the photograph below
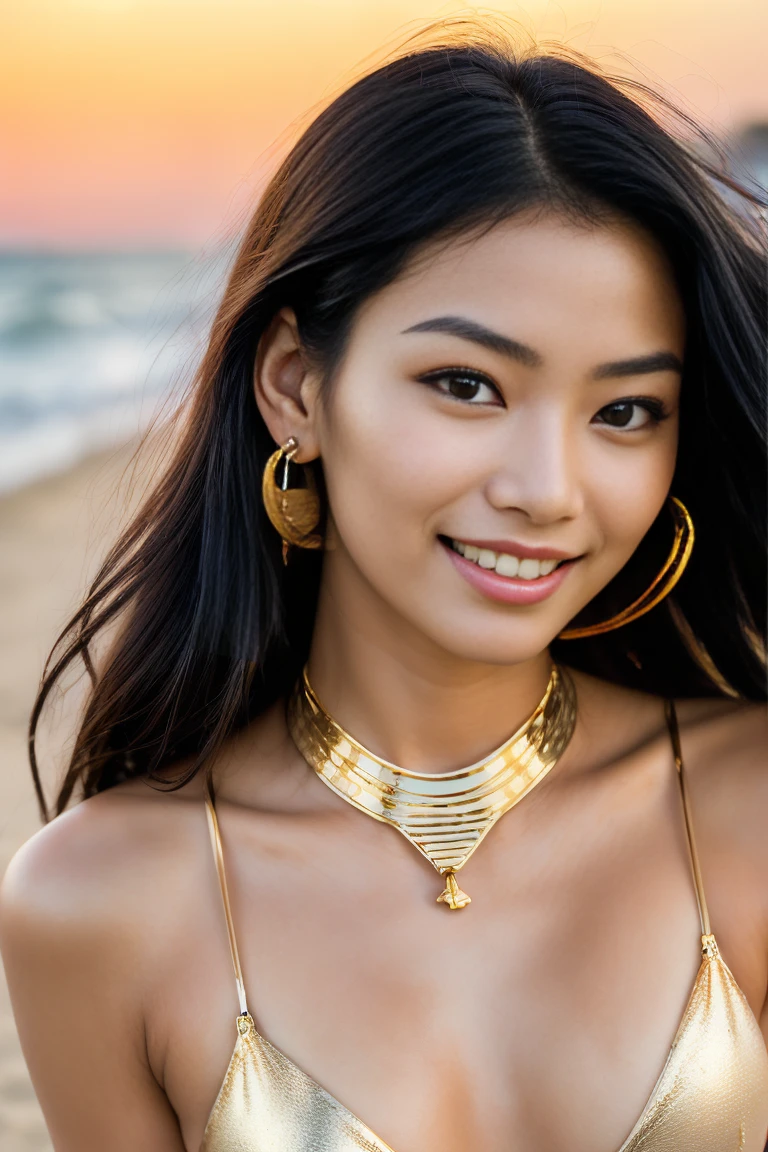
711, 1095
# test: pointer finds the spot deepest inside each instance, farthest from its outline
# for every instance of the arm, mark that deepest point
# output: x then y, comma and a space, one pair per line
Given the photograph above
74, 971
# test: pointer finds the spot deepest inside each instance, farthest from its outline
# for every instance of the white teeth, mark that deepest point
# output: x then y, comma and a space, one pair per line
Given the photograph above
503, 563
529, 569
507, 565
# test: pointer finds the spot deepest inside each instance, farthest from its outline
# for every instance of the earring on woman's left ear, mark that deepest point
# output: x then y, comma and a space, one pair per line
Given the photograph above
293, 511
672, 570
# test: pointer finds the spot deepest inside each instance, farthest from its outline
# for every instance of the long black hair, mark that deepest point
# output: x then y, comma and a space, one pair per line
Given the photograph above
455, 135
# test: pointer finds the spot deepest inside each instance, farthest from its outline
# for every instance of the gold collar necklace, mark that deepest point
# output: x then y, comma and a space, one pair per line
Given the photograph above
444, 815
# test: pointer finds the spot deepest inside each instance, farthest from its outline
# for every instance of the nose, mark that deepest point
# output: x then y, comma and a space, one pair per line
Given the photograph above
536, 468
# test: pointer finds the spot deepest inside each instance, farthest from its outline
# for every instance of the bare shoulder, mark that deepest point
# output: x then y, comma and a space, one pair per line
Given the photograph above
101, 868
724, 745
726, 741
88, 933
116, 863
722, 737
122, 859
725, 750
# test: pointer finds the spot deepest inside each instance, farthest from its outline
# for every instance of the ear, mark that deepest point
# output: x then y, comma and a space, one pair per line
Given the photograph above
284, 386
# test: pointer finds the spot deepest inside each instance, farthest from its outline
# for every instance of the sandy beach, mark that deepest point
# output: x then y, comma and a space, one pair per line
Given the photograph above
52, 534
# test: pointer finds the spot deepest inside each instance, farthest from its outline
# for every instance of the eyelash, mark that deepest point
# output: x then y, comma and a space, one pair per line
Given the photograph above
655, 408
650, 404
433, 378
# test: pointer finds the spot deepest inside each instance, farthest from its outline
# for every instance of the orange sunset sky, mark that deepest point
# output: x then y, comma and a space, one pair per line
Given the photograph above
154, 121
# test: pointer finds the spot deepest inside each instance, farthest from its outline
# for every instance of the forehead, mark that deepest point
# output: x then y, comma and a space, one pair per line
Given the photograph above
601, 288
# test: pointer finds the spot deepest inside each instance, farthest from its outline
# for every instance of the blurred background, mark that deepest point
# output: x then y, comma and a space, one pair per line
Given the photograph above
137, 135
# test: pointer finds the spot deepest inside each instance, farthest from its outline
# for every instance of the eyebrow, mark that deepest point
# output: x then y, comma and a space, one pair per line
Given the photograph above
470, 330
467, 329
639, 366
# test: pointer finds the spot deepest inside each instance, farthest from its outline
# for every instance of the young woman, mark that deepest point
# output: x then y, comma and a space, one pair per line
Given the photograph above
489, 374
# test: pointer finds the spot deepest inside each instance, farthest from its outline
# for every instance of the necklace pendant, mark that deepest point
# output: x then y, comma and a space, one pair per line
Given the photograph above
453, 895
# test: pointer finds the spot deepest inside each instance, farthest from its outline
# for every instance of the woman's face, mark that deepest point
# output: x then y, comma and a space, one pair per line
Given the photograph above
502, 432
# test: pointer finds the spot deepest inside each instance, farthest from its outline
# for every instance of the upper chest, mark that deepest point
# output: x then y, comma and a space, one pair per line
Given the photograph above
544, 1010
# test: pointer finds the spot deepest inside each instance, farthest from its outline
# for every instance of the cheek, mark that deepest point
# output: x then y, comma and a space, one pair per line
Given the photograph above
390, 471
626, 489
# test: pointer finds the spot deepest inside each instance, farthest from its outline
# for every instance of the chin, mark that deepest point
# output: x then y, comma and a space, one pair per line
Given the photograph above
488, 643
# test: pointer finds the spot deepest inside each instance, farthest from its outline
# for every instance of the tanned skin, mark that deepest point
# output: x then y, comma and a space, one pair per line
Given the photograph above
539, 1017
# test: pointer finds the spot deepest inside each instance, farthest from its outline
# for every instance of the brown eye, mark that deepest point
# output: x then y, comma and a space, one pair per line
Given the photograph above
631, 415
617, 415
463, 387
466, 387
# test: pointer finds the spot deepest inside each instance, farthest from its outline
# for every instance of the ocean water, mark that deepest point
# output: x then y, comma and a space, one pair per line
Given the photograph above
92, 346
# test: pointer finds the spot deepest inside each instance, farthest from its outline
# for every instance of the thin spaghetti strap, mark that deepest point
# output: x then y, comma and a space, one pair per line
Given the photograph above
218, 855
674, 732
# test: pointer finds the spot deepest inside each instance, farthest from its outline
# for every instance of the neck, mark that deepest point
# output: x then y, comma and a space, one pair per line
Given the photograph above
408, 700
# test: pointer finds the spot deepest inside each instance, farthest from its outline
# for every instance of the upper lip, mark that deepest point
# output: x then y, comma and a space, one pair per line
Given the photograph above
522, 551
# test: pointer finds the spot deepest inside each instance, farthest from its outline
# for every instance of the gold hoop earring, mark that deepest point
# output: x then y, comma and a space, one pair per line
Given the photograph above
669, 575
293, 511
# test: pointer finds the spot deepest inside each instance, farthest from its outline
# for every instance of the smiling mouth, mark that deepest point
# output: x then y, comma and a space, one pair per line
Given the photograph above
503, 563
